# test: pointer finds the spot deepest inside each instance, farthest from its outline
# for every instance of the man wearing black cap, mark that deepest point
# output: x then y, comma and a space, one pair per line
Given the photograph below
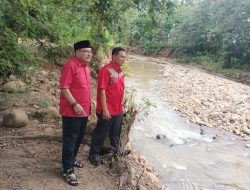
75, 106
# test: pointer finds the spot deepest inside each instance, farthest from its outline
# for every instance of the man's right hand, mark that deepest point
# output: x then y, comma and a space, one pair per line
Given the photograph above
106, 115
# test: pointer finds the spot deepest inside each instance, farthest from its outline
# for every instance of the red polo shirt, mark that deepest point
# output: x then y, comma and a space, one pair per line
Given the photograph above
111, 79
76, 77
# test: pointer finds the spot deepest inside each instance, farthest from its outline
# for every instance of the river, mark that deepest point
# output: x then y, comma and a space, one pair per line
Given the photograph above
187, 157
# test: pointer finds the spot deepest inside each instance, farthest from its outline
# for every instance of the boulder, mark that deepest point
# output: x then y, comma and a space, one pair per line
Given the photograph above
15, 118
14, 86
48, 113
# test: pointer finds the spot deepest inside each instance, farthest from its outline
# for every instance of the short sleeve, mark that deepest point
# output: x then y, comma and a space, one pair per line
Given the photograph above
103, 79
66, 76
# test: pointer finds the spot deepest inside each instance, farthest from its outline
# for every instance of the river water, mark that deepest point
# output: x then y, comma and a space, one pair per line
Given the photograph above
187, 157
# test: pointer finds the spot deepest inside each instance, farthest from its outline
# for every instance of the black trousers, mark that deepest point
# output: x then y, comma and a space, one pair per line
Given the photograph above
73, 132
102, 129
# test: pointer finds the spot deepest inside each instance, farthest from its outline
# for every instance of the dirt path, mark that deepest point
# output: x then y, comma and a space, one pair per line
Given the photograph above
36, 164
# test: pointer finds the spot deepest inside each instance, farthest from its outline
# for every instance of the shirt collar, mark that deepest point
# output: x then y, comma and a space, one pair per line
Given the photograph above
117, 68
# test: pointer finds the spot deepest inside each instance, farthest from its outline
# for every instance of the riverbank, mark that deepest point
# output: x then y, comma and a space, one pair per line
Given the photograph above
30, 156
204, 63
206, 99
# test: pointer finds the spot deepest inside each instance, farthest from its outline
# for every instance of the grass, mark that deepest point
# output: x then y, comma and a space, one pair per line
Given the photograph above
210, 64
4, 99
43, 103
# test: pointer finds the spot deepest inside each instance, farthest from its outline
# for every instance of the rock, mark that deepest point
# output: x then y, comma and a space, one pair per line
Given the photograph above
14, 86
54, 75
53, 84
12, 77
159, 136
46, 87
44, 73
233, 119
246, 130
141, 187
48, 113
35, 106
152, 177
247, 145
15, 104
128, 146
149, 169
196, 111
15, 118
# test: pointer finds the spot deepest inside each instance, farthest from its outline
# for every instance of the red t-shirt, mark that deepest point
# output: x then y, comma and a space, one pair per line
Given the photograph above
111, 79
76, 77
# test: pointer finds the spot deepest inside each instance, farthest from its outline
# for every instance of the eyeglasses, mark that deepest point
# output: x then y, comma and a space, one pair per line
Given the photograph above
86, 51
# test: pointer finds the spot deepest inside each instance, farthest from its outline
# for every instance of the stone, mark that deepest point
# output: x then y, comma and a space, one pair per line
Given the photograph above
14, 86
35, 106
46, 87
44, 73
149, 169
53, 84
43, 80
247, 145
141, 187
159, 136
196, 111
152, 177
16, 118
246, 130
15, 104
48, 113
54, 75
12, 77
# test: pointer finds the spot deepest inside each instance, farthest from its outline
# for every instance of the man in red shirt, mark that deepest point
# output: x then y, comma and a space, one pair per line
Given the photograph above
75, 106
109, 110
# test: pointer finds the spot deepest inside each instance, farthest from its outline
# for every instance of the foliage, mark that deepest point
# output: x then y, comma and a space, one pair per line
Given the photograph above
21, 19
44, 31
147, 29
219, 28
45, 103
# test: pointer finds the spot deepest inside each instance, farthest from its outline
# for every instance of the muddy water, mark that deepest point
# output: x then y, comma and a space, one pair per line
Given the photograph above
186, 157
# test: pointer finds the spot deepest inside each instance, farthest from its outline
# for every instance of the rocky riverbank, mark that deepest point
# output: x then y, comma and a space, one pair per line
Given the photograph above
207, 99
30, 142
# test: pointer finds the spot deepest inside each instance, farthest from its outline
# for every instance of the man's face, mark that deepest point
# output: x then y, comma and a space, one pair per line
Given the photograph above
84, 54
120, 58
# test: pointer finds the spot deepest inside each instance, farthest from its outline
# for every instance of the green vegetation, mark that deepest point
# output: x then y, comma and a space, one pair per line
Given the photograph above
214, 32
45, 103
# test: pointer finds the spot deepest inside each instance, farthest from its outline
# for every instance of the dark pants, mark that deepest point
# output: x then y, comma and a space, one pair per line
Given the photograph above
103, 127
73, 132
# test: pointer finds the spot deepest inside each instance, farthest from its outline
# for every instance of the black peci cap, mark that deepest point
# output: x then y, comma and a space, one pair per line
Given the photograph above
82, 44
